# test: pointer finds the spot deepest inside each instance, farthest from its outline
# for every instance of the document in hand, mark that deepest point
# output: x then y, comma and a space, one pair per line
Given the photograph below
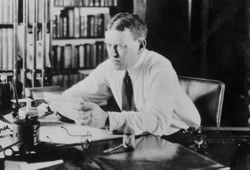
66, 106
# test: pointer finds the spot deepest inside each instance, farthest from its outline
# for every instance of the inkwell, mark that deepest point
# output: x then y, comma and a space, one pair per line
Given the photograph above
26, 132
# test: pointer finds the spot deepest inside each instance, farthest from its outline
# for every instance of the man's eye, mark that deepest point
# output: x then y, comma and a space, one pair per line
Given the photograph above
122, 46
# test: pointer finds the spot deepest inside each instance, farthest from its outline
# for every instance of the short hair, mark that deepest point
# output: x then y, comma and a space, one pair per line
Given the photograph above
123, 21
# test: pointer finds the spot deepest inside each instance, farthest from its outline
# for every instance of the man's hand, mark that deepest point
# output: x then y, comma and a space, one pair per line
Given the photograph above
91, 115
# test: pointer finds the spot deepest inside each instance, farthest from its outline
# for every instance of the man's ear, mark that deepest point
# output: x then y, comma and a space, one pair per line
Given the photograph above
142, 44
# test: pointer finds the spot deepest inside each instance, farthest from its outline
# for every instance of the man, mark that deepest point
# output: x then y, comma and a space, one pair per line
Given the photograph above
158, 105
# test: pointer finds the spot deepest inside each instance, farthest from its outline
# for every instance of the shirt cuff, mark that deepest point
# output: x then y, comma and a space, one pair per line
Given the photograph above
116, 120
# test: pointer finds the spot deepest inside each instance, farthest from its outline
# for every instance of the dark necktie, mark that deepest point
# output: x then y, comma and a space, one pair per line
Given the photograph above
127, 94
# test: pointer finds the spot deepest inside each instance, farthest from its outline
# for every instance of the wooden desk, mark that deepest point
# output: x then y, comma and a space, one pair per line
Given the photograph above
229, 146
150, 153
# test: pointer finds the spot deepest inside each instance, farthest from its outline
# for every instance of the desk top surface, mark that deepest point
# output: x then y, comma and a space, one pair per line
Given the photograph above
150, 153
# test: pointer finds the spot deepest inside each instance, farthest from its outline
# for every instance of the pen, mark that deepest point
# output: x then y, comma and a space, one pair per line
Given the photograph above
112, 149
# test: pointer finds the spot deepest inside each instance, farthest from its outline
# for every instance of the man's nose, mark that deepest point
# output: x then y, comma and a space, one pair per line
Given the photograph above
115, 51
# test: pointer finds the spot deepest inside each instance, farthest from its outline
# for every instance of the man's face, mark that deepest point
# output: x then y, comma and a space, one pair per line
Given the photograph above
122, 48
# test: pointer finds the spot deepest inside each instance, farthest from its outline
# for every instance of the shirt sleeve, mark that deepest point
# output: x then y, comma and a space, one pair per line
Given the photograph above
94, 87
157, 115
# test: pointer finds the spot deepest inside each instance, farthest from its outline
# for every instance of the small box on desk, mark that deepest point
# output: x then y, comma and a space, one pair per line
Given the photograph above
37, 93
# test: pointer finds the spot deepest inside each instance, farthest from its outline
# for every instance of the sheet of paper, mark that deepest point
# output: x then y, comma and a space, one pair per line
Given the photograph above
5, 128
66, 106
73, 134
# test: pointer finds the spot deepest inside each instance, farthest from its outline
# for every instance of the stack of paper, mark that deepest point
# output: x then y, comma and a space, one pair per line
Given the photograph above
66, 106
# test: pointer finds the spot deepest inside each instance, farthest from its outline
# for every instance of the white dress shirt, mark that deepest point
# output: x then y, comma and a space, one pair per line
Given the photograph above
162, 106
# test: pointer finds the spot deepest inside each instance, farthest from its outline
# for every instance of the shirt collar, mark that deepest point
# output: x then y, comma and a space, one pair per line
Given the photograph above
138, 63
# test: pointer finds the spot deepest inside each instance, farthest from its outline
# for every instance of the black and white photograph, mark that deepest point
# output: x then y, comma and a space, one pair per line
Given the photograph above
124, 84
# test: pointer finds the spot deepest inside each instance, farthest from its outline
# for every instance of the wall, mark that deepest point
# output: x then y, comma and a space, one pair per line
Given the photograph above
216, 46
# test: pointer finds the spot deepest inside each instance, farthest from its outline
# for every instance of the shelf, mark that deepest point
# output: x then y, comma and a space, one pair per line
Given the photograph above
85, 3
77, 6
72, 71
85, 71
6, 25
75, 41
6, 72
84, 10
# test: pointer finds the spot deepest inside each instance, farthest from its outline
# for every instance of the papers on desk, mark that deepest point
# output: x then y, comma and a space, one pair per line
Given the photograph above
73, 134
37, 93
21, 165
66, 106
4, 142
5, 128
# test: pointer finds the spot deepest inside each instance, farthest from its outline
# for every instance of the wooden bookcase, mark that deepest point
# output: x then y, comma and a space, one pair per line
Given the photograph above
34, 42
8, 31
77, 38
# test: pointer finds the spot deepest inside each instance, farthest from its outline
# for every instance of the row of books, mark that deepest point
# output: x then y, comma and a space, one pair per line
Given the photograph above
6, 11
74, 23
86, 3
39, 9
78, 56
67, 80
34, 61
6, 48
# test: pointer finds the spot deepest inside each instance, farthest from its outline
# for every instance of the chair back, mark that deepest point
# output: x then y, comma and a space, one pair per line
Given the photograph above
207, 96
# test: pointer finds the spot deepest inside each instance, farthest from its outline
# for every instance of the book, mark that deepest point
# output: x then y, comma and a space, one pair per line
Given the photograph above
37, 93
10, 48
68, 56
5, 48
81, 56
39, 55
1, 11
1, 49
87, 54
71, 23
83, 23
75, 57
91, 25
76, 22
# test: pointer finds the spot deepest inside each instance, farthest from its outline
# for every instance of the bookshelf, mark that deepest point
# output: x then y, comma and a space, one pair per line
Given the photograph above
34, 42
8, 31
77, 38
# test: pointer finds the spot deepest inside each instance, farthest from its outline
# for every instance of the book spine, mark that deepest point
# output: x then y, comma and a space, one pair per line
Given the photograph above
76, 22
83, 23
10, 48
87, 55
81, 57
5, 49
11, 12
71, 23
1, 49
93, 55
59, 60
39, 55
68, 56
65, 26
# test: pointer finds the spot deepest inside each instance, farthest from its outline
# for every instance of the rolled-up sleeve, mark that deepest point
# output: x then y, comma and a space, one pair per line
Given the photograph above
94, 87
